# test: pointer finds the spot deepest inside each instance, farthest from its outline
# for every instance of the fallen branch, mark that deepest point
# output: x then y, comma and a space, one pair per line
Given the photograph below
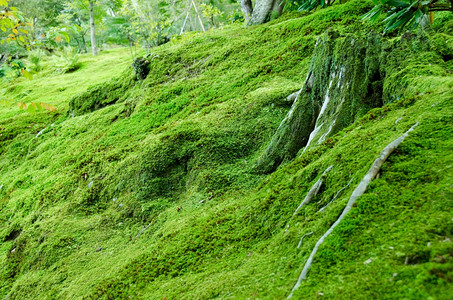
336, 195
359, 190
314, 190
302, 239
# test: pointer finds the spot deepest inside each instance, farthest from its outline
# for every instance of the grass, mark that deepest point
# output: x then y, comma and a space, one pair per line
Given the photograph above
152, 194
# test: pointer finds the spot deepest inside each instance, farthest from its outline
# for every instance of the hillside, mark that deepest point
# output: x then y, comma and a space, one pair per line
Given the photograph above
184, 185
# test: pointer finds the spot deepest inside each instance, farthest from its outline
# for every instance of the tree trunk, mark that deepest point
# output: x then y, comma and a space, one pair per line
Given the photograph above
277, 9
84, 43
343, 83
94, 48
247, 9
265, 10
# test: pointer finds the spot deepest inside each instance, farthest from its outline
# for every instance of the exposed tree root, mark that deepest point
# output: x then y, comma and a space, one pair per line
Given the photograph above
142, 230
336, 195
302, 239
314, 190
291, 98
359, 190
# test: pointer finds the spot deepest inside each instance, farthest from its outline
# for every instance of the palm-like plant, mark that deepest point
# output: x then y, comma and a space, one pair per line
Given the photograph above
312, 4
406, 13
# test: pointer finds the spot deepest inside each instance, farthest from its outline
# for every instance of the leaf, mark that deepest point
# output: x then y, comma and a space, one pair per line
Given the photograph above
65, 35
418, 14
48, 107
22, 105
27, 74
32, 108
373, 14
396, 3
399, 22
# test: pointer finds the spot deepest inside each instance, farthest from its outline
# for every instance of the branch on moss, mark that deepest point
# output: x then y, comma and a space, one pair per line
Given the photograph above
337, 194
359, 191
314, 190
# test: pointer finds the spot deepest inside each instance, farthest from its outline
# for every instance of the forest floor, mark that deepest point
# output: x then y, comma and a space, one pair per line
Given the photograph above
147, 189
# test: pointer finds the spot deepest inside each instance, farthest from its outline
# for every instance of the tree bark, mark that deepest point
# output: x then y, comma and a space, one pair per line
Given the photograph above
84, 43
261, 11
94, 48
277, 9
247, 10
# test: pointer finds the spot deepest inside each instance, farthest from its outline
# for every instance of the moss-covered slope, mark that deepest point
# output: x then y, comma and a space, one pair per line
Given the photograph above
149, 190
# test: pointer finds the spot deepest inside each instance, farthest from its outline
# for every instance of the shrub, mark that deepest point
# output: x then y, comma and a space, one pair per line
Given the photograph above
35, 57
67, 60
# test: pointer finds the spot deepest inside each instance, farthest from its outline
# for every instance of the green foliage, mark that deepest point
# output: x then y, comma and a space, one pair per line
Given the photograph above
66, 60
403, 14
400, 14
211, 13
35, 58
312, 4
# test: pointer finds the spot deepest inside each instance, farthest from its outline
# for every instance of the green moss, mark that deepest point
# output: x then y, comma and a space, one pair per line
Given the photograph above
99, 96
153, 193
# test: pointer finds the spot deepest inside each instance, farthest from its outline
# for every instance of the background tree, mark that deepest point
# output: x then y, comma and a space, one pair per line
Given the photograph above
94, 48
263, 11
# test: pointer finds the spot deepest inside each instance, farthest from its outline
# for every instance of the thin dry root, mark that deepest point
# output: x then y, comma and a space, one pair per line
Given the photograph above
302, 239
336, 195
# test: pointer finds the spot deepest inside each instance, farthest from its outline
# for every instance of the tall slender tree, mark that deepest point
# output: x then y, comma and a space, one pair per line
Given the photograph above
94, 47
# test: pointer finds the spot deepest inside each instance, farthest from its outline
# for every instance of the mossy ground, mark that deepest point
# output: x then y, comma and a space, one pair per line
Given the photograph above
153, 195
